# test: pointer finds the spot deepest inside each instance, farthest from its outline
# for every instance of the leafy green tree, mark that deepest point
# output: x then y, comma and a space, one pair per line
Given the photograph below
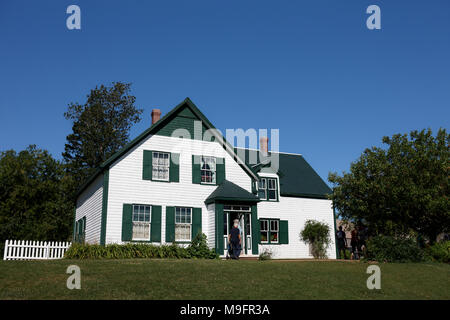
33, 200
101, 127
399, 190
317, 234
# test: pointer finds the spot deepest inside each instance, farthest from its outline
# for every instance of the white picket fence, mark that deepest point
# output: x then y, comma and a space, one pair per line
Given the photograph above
34, 250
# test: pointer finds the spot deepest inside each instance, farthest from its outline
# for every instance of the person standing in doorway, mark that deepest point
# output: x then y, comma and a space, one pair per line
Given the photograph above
234, 239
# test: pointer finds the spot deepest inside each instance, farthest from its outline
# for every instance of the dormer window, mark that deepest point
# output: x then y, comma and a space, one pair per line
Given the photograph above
268, 189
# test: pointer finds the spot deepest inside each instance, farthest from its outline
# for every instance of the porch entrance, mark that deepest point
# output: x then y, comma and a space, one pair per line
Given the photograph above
243, 214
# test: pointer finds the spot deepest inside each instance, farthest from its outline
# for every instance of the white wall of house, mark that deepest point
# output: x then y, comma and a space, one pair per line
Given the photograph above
89, 205
127, 186
297, 211
211, 228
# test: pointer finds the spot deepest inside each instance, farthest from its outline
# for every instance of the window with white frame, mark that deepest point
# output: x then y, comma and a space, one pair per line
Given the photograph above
141, 222
160, 166
262, 188
183, 224
208, 169
272, 189
264, 228
274, 231
270, 230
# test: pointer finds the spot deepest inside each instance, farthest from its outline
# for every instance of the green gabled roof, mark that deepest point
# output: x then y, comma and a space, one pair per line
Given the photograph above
297, 177
228, 191
192, 111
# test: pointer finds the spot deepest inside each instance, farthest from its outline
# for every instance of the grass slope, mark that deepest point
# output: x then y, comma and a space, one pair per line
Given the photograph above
216, 279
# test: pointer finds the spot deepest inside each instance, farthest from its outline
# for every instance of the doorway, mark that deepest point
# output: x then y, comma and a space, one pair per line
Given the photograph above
243, 214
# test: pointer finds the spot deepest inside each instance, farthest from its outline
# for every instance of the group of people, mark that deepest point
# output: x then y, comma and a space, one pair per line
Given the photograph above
357, 242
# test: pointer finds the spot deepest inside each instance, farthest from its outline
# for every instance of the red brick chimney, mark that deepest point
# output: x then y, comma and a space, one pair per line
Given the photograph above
156, 115
264, 145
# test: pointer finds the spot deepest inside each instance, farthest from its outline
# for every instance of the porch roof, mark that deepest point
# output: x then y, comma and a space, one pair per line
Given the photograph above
228, 191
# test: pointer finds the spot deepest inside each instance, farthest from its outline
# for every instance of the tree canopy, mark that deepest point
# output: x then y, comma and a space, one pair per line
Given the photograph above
33, 202
101, 127
400, 189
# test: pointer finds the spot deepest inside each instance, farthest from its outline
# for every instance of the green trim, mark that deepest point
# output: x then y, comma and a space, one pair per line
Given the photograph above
196, 170
220, 170
284, 231
127, 222
255, 229
174, 167
74, 223
147, 163
305, 195
224, 199
335, 242
104, 207
155, 224
219, 228
170, 224
196, 222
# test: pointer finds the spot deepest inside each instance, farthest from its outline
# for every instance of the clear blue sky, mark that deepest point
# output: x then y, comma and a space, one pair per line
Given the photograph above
310, 68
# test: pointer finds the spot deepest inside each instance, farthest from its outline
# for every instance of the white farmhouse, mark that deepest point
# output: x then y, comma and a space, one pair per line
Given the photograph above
181, 177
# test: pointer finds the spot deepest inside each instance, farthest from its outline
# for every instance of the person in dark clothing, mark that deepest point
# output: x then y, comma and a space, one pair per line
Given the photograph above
234, 239
341, 242
354, 243
362, 239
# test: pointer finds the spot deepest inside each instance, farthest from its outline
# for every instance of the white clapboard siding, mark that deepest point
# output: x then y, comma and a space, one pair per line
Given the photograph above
89, 205
34, 250
127, 186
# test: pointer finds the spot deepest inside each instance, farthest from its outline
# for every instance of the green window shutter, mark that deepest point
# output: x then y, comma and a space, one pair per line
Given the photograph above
80, 227
147, 165
74, 224
156, 224
219, 228
84, 225
255, 230
196, 174
127, 222
196, 222
220, 170
170, 224
174, 171
284, 232
75, 234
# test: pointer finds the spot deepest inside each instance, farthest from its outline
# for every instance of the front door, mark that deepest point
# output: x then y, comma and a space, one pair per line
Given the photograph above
243, 214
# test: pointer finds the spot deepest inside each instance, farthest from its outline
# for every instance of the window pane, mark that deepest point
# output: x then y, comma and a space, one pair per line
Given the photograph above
141, 230
263, 225
274, 236
274, 225
272, 195
262, 194
182, 232
271, 184
263, 236
262, 184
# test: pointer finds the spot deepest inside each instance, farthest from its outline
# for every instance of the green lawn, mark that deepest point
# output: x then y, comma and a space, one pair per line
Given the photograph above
216, 279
